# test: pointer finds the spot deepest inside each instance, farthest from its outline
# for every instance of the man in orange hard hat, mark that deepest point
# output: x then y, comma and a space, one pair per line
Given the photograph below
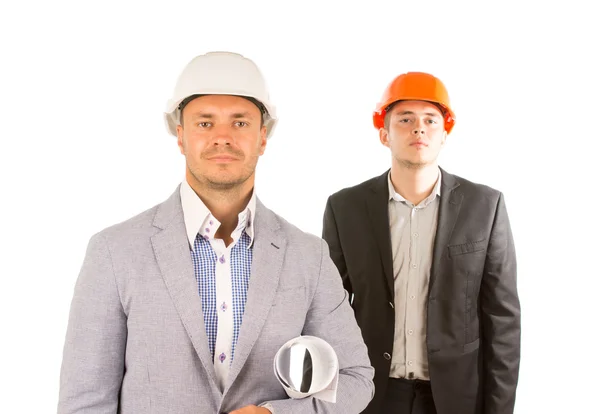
429, 261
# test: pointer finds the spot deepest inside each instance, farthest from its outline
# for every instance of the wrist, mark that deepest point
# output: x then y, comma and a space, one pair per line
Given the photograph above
268, 407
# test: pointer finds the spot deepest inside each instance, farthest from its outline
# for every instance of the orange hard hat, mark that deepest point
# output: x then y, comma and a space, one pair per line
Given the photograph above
415, 86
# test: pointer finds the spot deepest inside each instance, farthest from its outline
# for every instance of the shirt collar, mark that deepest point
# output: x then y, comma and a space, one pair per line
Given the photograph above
199, 219
393, 195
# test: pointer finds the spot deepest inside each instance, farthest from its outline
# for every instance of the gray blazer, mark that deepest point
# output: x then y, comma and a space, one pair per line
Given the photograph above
136, 341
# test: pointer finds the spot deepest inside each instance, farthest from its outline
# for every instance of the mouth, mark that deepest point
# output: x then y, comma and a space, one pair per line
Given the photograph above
419, 144
222, 158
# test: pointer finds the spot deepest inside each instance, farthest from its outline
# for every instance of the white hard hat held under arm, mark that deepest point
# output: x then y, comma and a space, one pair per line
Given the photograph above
220, 73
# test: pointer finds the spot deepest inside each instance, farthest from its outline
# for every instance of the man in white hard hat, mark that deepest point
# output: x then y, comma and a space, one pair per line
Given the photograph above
182, 308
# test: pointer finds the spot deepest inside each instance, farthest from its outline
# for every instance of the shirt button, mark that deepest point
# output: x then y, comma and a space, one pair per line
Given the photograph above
412, 296
222, 259
410, 331
410, 363
414, 266
387, 356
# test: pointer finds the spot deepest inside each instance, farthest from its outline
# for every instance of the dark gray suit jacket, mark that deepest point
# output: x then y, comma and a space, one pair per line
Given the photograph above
473, 314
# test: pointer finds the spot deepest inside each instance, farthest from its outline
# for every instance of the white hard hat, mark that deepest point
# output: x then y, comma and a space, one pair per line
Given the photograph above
220, 73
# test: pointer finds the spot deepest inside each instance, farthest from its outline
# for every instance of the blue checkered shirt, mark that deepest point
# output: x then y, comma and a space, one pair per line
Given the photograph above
205, 260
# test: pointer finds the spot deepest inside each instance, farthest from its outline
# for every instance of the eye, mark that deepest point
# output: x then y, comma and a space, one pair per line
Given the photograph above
204, 124
431, 121
404, 120
241, 123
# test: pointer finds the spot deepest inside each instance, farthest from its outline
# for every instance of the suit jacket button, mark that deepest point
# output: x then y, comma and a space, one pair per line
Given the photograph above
387, 356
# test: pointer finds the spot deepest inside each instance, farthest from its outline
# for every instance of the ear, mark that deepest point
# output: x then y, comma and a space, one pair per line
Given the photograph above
263, 140
384, 137
180, 139
444, 138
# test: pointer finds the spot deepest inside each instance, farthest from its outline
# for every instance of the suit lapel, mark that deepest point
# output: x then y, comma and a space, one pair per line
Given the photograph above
450, 204
377, 205
171, 248
267, 261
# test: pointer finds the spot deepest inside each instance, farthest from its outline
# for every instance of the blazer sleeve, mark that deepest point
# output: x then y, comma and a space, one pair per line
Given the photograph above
331, 236
331, 318
93, 355
500, 318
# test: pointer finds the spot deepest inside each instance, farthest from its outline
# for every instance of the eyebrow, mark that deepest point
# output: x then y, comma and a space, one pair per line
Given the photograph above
242, 115
237, 115
412, 113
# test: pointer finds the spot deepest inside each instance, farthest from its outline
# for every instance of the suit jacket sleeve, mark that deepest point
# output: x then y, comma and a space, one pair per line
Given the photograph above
501, 318
331, 236
93, 355
331, 318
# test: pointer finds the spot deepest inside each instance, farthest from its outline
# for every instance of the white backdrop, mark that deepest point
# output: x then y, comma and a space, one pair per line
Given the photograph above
83, 86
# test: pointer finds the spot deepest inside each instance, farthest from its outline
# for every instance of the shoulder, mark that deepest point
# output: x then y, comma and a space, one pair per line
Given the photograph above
297, 238
132, 230
473, 193
359, 191
478, 188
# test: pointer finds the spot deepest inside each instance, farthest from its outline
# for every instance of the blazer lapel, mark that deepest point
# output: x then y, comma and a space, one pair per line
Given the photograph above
268, 252
377, 205
172, 251
450, 204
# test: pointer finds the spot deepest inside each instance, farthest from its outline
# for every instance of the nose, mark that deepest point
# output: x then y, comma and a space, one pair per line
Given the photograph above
222, 136
419, 129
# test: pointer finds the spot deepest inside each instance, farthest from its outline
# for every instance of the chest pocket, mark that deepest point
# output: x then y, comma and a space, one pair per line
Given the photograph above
466, 248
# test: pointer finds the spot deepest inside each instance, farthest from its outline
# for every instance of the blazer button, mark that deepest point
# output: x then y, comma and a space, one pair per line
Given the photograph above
387, 356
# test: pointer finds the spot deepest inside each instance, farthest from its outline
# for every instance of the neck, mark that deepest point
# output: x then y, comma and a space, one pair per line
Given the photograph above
225, 204
414, 184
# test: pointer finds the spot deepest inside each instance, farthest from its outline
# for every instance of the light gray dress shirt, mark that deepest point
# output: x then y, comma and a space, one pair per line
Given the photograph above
412, 230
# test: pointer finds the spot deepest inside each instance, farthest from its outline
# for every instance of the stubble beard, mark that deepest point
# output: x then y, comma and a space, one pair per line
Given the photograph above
224, 183
411, 165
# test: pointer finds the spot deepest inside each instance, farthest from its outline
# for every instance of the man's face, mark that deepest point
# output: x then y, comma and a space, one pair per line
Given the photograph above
415, 133
221, 137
